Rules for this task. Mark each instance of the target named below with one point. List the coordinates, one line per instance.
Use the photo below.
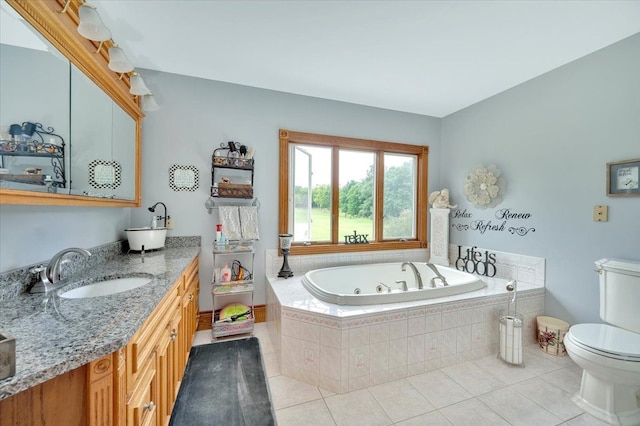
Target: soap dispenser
(154, 222)
(225, 273)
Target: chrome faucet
(438, 276)
(51, 274)
(415, 272)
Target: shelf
(234, 247)
(235, 163)
(232, 288)
(221, 329)
(30, 154)
(34, 179)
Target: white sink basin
(106, 288)
(146, 238)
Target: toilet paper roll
(510, 342)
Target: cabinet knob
(150, 406)
(173, 335)
(191, 297)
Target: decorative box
(7, 355)
(233, 190)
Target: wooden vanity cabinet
(158, 353)
(136, 385)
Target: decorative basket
(234, 190)
(551, 333)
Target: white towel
(249, 222)
(230, 220)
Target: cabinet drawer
(190, 275)
(144, 341)
(141, 409)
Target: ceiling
(425, 57)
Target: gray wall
(31, 234)
(197, 115)
(552, 137)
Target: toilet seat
(606, 340)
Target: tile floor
(482, 392)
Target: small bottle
(154, 222)
(218, 232)
(225, 273)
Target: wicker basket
(233, 190)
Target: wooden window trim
(289, 136)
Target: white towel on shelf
(230, 220)
(249, 222)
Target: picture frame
(184, 178)
(623, 178)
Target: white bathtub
(368, 284)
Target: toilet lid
(611, 341)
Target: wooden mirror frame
(61, 31)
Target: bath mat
(224, 384)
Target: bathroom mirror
(90, 130)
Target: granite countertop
(60, 335)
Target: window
(345, 194)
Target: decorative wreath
(484, 187)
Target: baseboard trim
(204, 320)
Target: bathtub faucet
(438, 276)
(415, 272)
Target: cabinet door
(101, 391)
(166, 368)
(142, 407)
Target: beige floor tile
(433, 418)
(326, 393)
(271, 364)
(559, 361)
(400, 400)
(286, 392)
(260, 331)
(549, 396)
(585, 420)
(314, 413)
(357, 408)
(473, 378)
(439, 389)
(202, 337)
(472, 412)
(567, 379)
(507, 373)
(517, 409)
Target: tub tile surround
(346, 348)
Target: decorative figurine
(440, 200)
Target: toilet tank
(620, 292)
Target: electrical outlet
(169, 222)
(600, 213)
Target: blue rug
(224, 384)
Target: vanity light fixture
(149, 103)
(66, 6)
(138, 87)
(91, 26)
(118, 61)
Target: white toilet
(610, 353)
